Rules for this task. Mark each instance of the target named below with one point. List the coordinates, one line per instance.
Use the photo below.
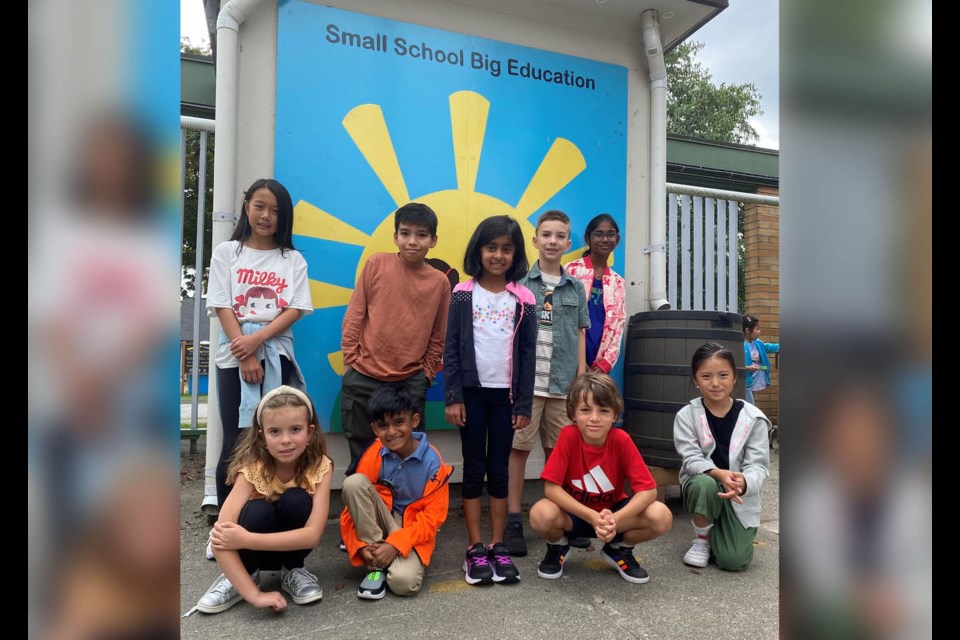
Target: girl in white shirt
(258, 287)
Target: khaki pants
(374, 523)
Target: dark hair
(391, 401)
(487, 230)
(453, 276)
(750, 322)
(712, 350)
(283, 236)
(598, 385)
(593, 224)
(416, 213)
(553, 214)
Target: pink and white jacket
(614, 306)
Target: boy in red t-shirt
(584, 480)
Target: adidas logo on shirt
(594, 487)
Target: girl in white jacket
(725, 451)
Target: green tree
(700, 109)
(191, 186)
(187, 46)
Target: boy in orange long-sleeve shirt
(395, 324)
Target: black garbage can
(656, 376)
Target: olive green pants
(730, 542)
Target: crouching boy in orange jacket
(396, 500)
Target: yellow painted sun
(459, 210)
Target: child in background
(725, 459)
(605, 291)
(755, 355)
(277, 509)
(396, 501)
(562, 318)
(489, 364)
(258, 287)
(584, 485)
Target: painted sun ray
(336, 361)
(572, 255)
(468, 119)
(327, 295)
(314, 222)
(563, 163)
(369, 132)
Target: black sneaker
(476, 566)
(504, 570)
(621, 559)
(551, 567)
(342, 545)
(580, 542)
(513, 539)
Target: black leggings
(228, 398)
(290, 512)
(486, 441)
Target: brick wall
(761, 262)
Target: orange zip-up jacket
(421, 519)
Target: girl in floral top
(606, 293)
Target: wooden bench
(193, 435)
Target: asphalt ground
(591, 601)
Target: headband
(282, 390)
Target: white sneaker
(699, 553)
(209, 552)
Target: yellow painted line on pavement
(449, 586)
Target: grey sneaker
(301, 585)
(373, 586)
(222, 595)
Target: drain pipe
(232, 15)
(657, 249)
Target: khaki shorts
(549, 416)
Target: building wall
(592, 40)
(761, 263)
(575, 35)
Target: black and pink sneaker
(504, 571)
(476, 567)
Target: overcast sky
(741, 45)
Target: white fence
(705, 246)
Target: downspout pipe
(657, 249)
(232, 15)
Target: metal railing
(205, 127)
